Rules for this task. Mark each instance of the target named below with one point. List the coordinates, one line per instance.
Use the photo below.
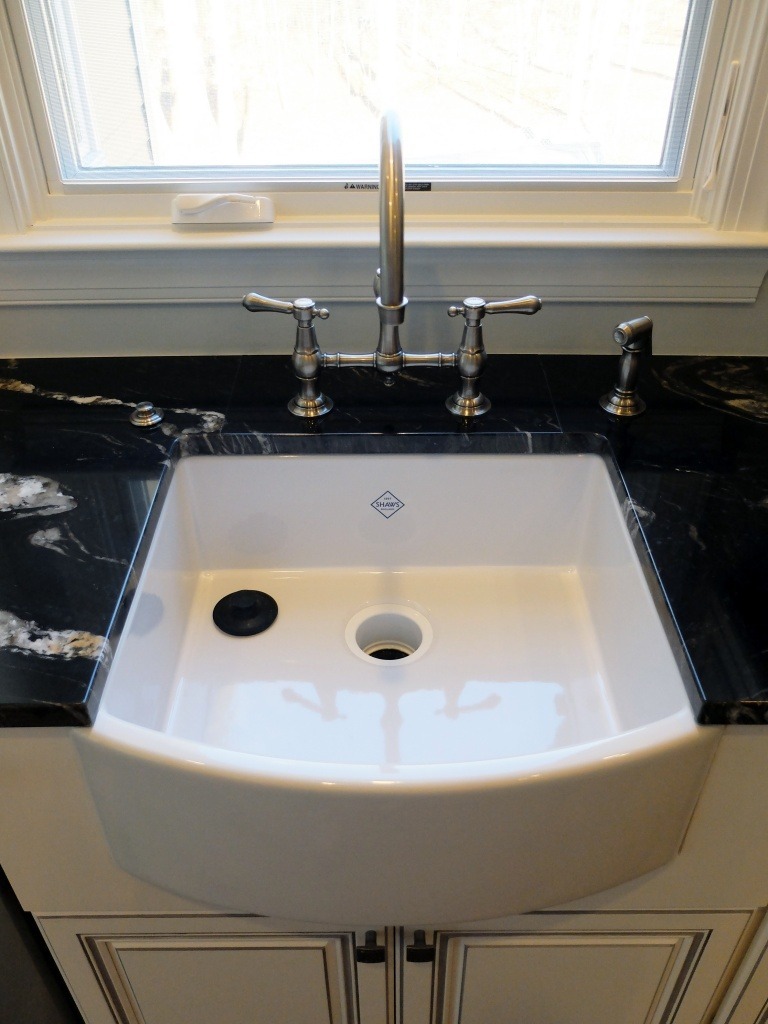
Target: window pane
(293, 88)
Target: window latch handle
(222, 209)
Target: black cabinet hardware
(419, 952)
(371, 952)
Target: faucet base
(467, 405)
(310, 408)
(622, 403)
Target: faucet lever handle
(474, 308)
(304, 310)
(527, 304)
(261, 304)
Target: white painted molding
(736, 196)
(22, 181)
(579, 274)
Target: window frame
(725, 212)
(700, 32)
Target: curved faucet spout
(391, 203)
(389, 359)
(389, 279)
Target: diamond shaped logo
(387, 504)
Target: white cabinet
(538, 969)
(747, 999)
(200, 970)
(595, 968)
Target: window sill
(621, 260)
(470, 231)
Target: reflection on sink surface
(529, 742)
(485, 680)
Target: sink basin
(471, 703)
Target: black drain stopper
(245, 612)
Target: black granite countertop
(77, 483)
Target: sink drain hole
(388, 634)
(388, 653)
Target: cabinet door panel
(602, 968)
(196, 979)
(564, 979)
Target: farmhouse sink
(471, 701)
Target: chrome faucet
(388, 282)
(388, 357)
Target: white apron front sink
(530, 743)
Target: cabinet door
(279, 979)
(746, 1001)
(601, 969)
(176, 971)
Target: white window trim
(704, 243)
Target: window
(286, 91)
(637, 128)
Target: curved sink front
(529, 742)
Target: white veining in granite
(209, 421)
(733, 385)
(642, 516)
(50, 539)
(23, 496)
(27, 637)
(64, 542)
(9, 384)
(693, 533)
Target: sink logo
(387, 504)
